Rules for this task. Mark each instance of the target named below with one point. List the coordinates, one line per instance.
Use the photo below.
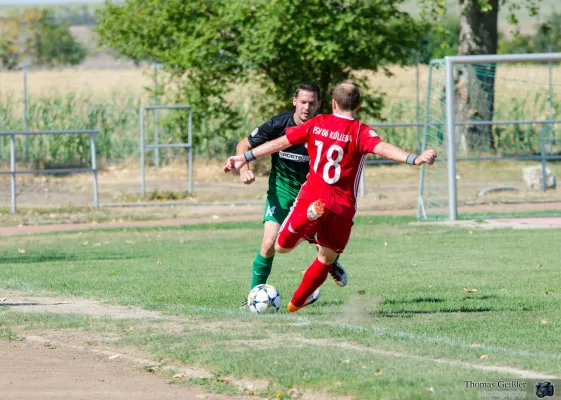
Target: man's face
(306, 104)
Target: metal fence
(156, 146)
(13, 171)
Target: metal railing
(543, 157)
(144, 146)
(13, 171)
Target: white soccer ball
(264, 299)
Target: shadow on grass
(410, 313)
(417, 300)
(28, 304)
(486, 297)
(51, 256)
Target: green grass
(419, 272)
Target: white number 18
(331, 162)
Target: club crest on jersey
(254, 132)
(372, 133)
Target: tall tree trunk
(475, 87)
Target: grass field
(404, 328)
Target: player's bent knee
(280, 249)
(268, 248)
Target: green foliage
(547, 38)
(55, 45)
(116, 118)
(208, 46)
(314, 40)
(438, 43)
(195, 43)
(46, 41)
(433, 10)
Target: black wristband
(249, 156)
(411, 159)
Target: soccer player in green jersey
(288, 172)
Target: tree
(287, 42)
(209, 47)
(34, 34)
(197, 43)
(476, 84)
(438, 43)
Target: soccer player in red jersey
(337, 145)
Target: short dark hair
(347, 96)
(309, 87)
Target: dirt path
(77, 364)
(31, 370)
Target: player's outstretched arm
(394, 153)
(236, 162)
(246, 174)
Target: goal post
(462, 94)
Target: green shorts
(277, 208)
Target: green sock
(261, 270)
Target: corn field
(110, 101)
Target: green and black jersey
(290, 166)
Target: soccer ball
(264, 299)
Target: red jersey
(337, 146)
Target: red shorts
(332, 230)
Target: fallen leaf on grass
(363, 367)
(385, 243)
(275, 362)
(21, 251)
(484, 357)
(361, 291)
(159, 262)
(547, 292)
(225, 381)
(430, 389)
(177, 376)
(378, 371)
(338, 384)
(129, 329)
(539, 265)
(3, 299)
(114, 357)
(475, 345)
(345, 361)
(470, 290)
(544, 321)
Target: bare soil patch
(72, 363)
(33, 370)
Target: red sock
(314, 277)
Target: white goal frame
(449, 108)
